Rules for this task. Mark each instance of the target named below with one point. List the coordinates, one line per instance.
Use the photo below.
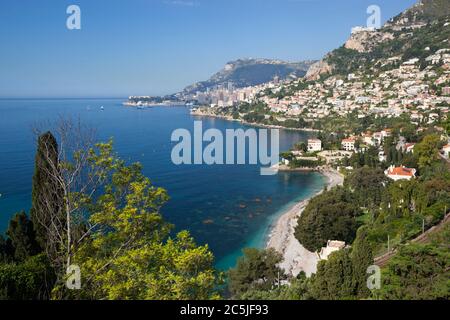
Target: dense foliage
(419, 271)
(329, 216)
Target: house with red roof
(400, 173)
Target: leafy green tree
(367, 185)
(127, 252)
(334, 278)
(257, 270)
(22, 236)
(427, 150)
(301, 146)
(329, 216)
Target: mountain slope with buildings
(412, 33)
(250, 72)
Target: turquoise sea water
(229, 207)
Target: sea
(228, 207)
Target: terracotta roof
(401, 171)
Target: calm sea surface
(229, 207)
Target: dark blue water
(229, 206)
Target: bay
(229, 207)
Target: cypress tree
(362, 258)
(47, 196)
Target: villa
(400, 173)
(332, 246)
(348, 144)
(314, 145)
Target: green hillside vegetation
(365, 212)
(419, 271)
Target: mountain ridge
(250, 72)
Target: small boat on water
(102, 108)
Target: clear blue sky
(128, 47)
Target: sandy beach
(296, 257)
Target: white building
(332, 246)
(446, 150)
(314, 145)
(348, 144)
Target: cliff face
(366, 41)
(317, 69)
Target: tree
(28, 280)
(22, 237)
(127, 251)
(256, 270)
(362, 258)
(297, 289)
(66, 177)
(301, 146)
(329, 216)
(427, 151)
(6, 250)
(367, 185)
(47, 198)
(334, 278)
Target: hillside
(250, 72)
(411, 34)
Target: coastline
(281, 237)
(297, 258)
(258, 125)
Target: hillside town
(390, 88)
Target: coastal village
(416, 89)
(378, 105)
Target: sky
(155, 47)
